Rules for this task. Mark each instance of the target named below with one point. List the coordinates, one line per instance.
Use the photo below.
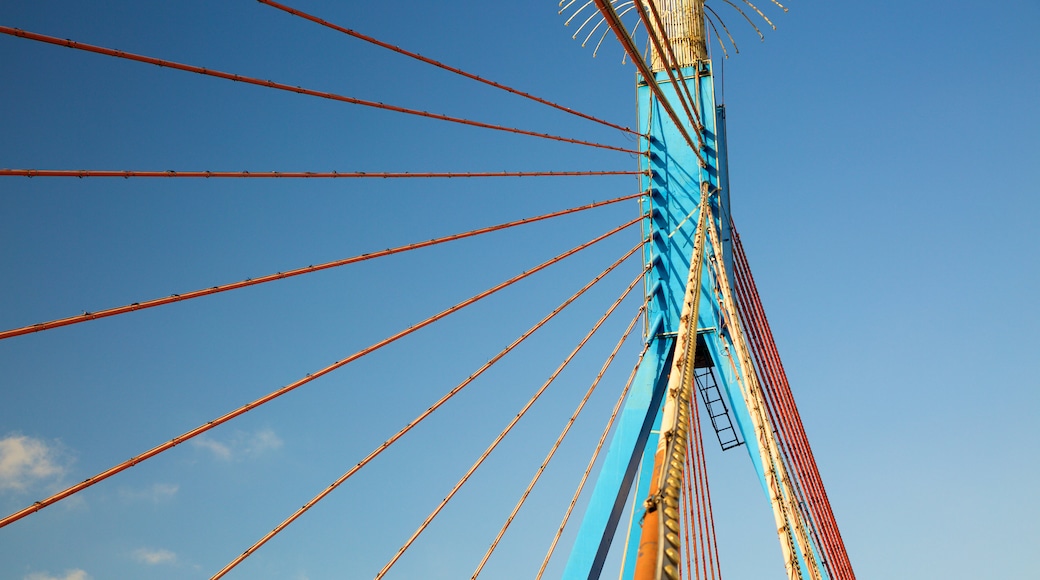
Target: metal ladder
(718, 411)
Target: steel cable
(440, 402)
(284, 87)
(558, 442)
(666, 55)
(791, 450)
(126, 174)
(86, 316)
(698, 125)
(498, 439)
(592, 462)
(822, 508)
(648, 76)
(37, 506)
(440, 65)
(788, 517)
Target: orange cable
(439, 64)
(284, 87)
(282, 275)
(37, 506)
(614, 22)
(592, 462)
(440, 402)
(126, 174)
(508, 428)
(691, 567)
(694, 119)
(559, 440)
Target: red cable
(793, 453)
(711, 522)
(779, 412)
(614, 22)
(700, 471)
(694, 120)
(682, 78)
(563, 434)
(282, 275)
(690, 520)
(297, 174)
(825, 512)
(440, 402)
(711, 545)
(284, 87)
(37, 506)
(439, 64)
(592, 461)
(480, 460)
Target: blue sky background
(883, 162)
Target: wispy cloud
(154, 557)
(25, 460)
(241, 444)
(156, 493)
(262, 441)
(218, 449)
(76, 574)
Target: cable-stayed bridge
(692, 364)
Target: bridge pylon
(693, 327)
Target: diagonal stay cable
(614, 21)
(440, 402)
(592, 462)
(292, 89)
(670, 61)
(126, 174)
(523, 411)
(439, 64)
(688, 519)
(86, 316)
(557, 443)
(674, 60)
(37, 506)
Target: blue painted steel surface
(726, 231)
(631, 436)
(642, 490)
(674, 184)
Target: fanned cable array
(137, 459)
(180, 297)
(787, 422)
(677, 534)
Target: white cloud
(263, 440)
(219, 449)
(156, 493)
(76, 574)
(241, 443)
(154, 557)
(24, 460)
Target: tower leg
(613, 486)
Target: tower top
(683, 22)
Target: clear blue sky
(884, 161)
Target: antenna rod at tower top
(683, 22)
